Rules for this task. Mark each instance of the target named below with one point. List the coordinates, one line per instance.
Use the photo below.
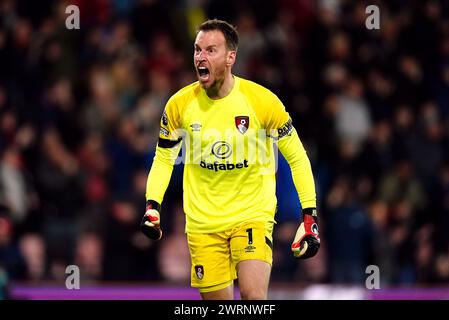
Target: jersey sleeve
(276, 119)
(293, 151)
(280, 127)
(167, 151)
(170, 123)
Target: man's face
(211, 58)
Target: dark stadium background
(79, 119)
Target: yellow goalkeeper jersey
(229, 155)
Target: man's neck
(222, 89)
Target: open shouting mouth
(203, 73)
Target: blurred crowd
(79, 121)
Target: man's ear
(231, 58)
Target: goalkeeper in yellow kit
(229, 126)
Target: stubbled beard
(215, 87)
(213, 90)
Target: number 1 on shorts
(250, 235)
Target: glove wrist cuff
(309, 213)
(151, 204)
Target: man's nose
(200, 55)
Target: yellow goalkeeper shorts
(215, 255)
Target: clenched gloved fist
(151, 223)
(307, 242)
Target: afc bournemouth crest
(199, 270)
(242, 123)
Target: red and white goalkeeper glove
(307, 241)
(151, 222)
